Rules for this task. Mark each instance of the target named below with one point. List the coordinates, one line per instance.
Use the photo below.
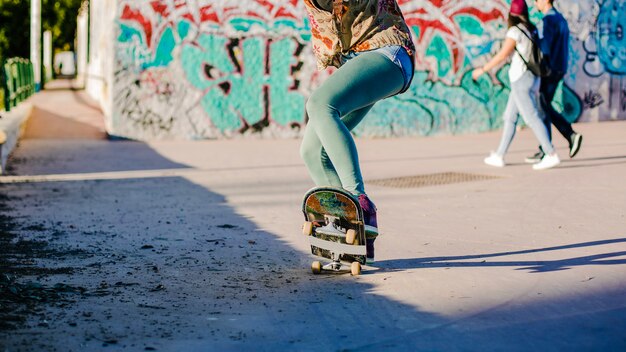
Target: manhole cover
(442, 178)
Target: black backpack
(538, 62)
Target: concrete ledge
(12, 126)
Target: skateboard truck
(331, 227)
(335, 265)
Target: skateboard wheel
(316, 267)
(307, 228)
(350, 236)
(355, 268)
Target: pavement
(12, 125)
(196, 246)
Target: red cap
(518, 7)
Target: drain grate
(437, 179)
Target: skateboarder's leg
(350, 92)
(318, 163)
(316, 159)
(358, 84)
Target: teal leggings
(337, 107)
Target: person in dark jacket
(554, 43)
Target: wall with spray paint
(217, 68)
(598, 57)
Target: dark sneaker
(369, 215)
(369, 247)
(371, 225)
(535, 158)
(575, 141)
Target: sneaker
(494, 160)
(548, 161)
(371, 225)
(369, 214)
(369, 248)
(576, 139)
(535, 158)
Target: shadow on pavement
(47, 124)
(169, 264)
(531, 266)
(584, 162)
(164, 263)
(45, 157)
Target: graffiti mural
(450, 37)
(611, 37)
(450, 34)
(201, 70)
(216, 68)
(598, 56)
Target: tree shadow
(78, 156)
(171, 263)
(167, 263)
(481, 260)
(585, 162)
(45, 124)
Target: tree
(58, 16)
(14, 28)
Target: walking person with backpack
(554, 44)
(524, 95)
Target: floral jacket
(356, 25)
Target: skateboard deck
(335, 229)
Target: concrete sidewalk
(196, 246)
(63, 111)
(60, 112)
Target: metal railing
(18, 81)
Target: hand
(477, 73)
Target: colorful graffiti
(215, 68)
(598, 56)
(450, 37)
(229, 69)
(605, 44)
(450, 34)
(611, 37)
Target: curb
(12, 126)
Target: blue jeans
(523, 99)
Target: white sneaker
(494, 160)
(547, 162)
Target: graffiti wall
(197, 69)
(598, 57)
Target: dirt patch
(22, 293)
(83, 267)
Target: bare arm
(507, 49)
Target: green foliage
(58, 16)
(14, 28)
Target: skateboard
(335, 229)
